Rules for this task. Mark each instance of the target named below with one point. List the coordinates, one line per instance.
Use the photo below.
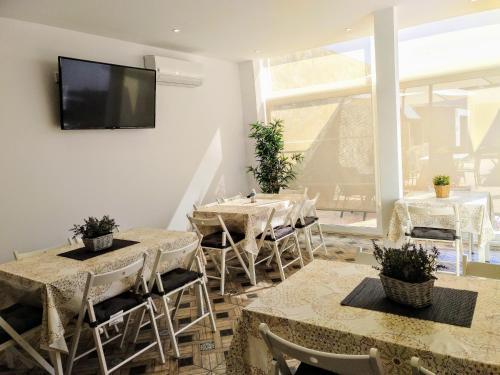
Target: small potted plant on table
(407, 273)
(96, 234)
(442, 186)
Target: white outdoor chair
(479, 269)
(27, 254)
(416, 369)
(430, 234)
(294, 191)
(365, 257)
(308, 218)
(316, 362)
(173, 274)
(218, 244)
(17, 322)
(110, 312)
(277, 237)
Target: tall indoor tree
(274, 169)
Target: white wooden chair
(110, 312)
(365, 257)
(313, 361)
(27, 254)
(294, 191)
(218, 244)
(416, 369)
(173, 274)
(17, 322)
(276, 236)
(480, 269)
(430, 234)
(308, 218)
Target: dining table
(55, 279)
(475, 210)
(307, 310)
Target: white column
(387, 115)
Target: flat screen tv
(96, 95)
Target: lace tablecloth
(306, 310)
(243, 216)
(472, 218)
(58, 282)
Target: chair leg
(209, 307)
(278, 260)
(308, 243)
(154, 326)
(100, 351)
(170, 327)
(299, 251)
(74, 346)
(458, 256)
(127, 322)
(138, 327)
(223, 271)
(177, 303)
(321, 237)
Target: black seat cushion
(105, 309)
(215, 240)
(175, 279)
(279, 232)
(305, 369)
(308, 220)
(434, 233)
(21, 318)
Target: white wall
(51, 179)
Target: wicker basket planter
(98, 243)
(417, 295)
(442, 191)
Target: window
(450, 103)
(324, 97)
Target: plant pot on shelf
(442, 191)
(416, 295)
(98, 243)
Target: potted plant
(407, 273)
(442, 186)
(96, 234)
(275, 170)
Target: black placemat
(450, 306)
(83, 254)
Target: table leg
(251, 269)
(55, 357)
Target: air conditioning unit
(175, 72)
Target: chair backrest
(284, 216)
(364, 257)
(338, 363)
(308, 208)
(27, 254)
(93, 281)
(294, 191)
(167, 260)
(433, 211)
(479, 269)
(214, 221)
(416, 369)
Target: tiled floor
(202, 351)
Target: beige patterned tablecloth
(306, 309)
(471, 218)
(243, 216)
(58, 282)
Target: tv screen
(96, 95)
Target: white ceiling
(231, 29)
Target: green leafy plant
(409, 263)
(275, 170)
(441, 180)
(93, 227)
